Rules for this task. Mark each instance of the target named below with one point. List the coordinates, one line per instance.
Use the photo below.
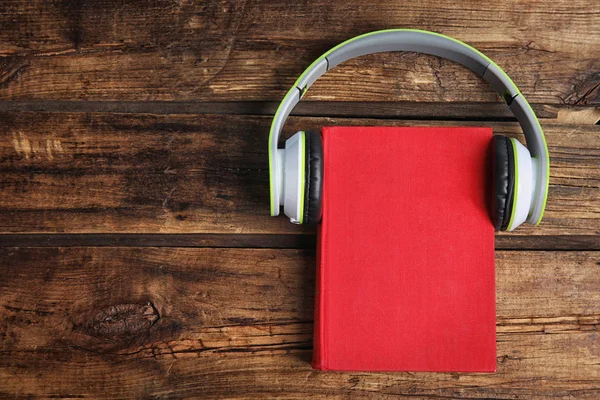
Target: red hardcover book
(405, 276)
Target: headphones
(521, 174)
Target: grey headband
(427, 43)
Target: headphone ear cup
(503, 181)
(314, 178)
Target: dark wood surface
(238, 323)
(137, 259)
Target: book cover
(405, 275)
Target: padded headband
(427, 43)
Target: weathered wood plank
(231, 50)
(139, 322)
(131, 173)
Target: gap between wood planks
(426, 110)
(447, 111)
(274, 241)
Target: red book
(405, 276)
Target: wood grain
(132, 173)
(214, 323)
(254, 50)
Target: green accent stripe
(516, 183)
(303, 172)
(547, 172)
(546, 188)
(272, 156)
(271, 178)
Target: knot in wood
(123, 320)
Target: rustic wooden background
(137, 258)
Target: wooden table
(137, 257)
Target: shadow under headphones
(521, 174)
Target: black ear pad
(314, 178)
(504, 181)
